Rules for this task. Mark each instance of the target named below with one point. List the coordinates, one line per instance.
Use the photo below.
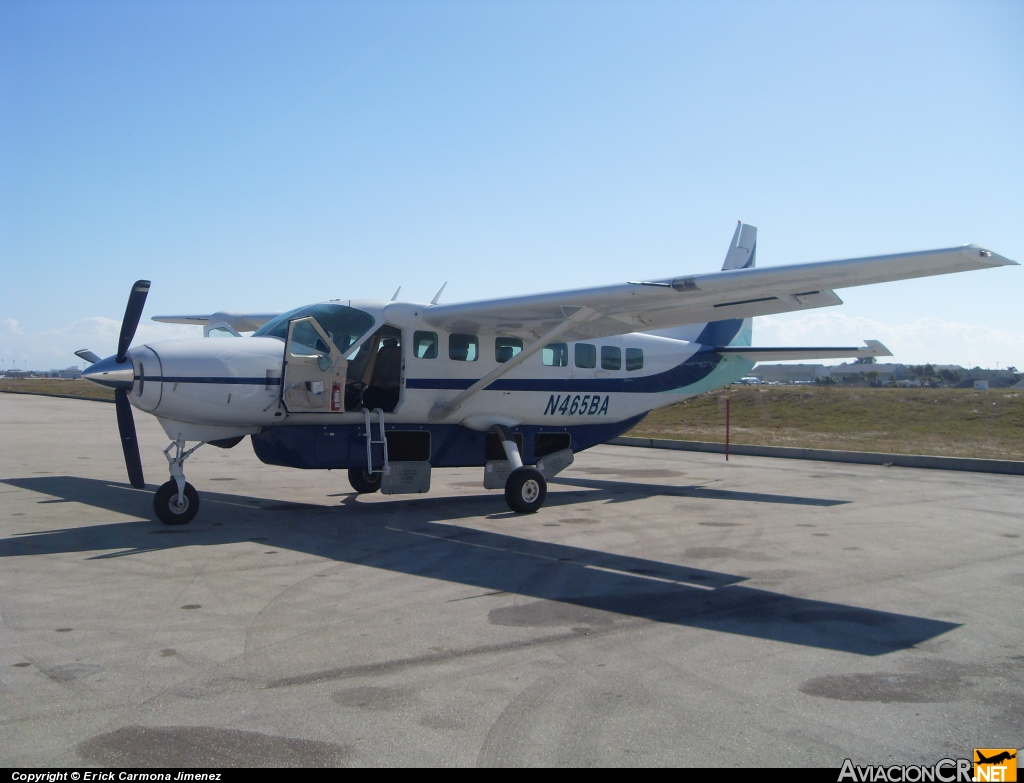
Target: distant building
(886, 372)
(978, 374)
(67, 372)
(996, 379)
(789, 373)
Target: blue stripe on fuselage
(209, 379)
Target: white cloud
(924, 340)
(56, 347)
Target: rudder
(742, 254)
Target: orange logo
(995, 765)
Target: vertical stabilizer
(742, 254)
(742, 249)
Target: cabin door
(314, 370)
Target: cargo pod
(408, 468)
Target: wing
(242, 322)
(715, 296)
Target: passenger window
(463, 347)
(634, 359)
(611, 357)
(586, 356)
(506, 347)
(555, 355)
(424, 345)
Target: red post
(728, 391)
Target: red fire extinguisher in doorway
(336, 397)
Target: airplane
(515, 385)
(996, 759)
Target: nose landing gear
(177, 502)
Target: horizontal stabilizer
(87, 355)
(870, 348)
(242, 322)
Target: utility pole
(728, 394)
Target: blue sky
(258, 156)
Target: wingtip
(990, 257)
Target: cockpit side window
(344, 325)
(306, 341)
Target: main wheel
(363, 481)
(169, 510)
(525, 490)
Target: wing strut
(574, 315)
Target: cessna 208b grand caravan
(516, 386)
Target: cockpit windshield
(344, 325)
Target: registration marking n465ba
(577, 405)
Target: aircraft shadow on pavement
(418, 537)
(622, 490)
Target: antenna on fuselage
(395, 297)
(438, 294)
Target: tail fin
(742, 254)
(742, 249)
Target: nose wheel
(174, 508)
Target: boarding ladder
(370, 442)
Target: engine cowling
(210, 381)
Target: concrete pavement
(663, 608)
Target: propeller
(107, 372)
(125, 417)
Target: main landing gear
(526, 488)
(177, 502)
(363, 481)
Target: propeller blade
(129, 441)
(132, 314)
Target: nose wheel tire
(363, 481)
(172, 512)
(525, 490)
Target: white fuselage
(208, 388)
